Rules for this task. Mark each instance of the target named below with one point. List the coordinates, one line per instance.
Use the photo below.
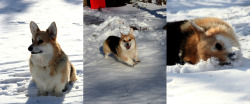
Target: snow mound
(211, 64)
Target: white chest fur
(130, 53)
(43, 79)
(41, 60)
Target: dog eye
(129, 40)
(218, 46)
(40, 41)
(124, 41)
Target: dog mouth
(225, 63)
(37, 52)
(127, 47)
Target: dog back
(174, 40)
(113, 43)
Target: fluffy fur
(200, 39)
(123, 48)
(49, 65)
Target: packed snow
(108, 81)
(206, 82)
(16, 84)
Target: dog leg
(127, 60)
(58, 89)
(42, 93)
(106, 49)
(107, 55)
(73, 76)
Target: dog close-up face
(218, 42)
(127, 42)
(42, 40)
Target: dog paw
(138, 61)
(106, 57)
(58, 94)
(133, 64)
(42, 93)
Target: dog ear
(121, 34)
(131, 32)
(201, 34)
(34, 28)
(52, 30)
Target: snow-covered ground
(107, 81)
(205, 83)
(16, 85)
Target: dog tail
(73, 76)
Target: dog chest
(43, 79)
(41, 60)
(130, 53)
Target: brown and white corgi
(200, 39)
(49, 65)
(123, 48)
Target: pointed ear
(196, 27)
(52, 30)
(131, 32)
(198, 30)
(34, 28)
(121, 34)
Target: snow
(108, 81)
(16, 85)
(206, 82)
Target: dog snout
(127, 44)
(30, 47)
(231, 56)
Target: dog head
(217, 41)
(42, 41)
(127, 42)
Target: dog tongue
(127, 47)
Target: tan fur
(201, 42)
(127, 56)
(73, 76)
(58, 65)
(106, 48)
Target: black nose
(30, 48)
(231, 56)
(127, 44)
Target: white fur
(41, 72)
(132, 45)
(43, 58)
(45, 82)
(231, 46)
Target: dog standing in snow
(200, 39)
(49, 65)
(123, 48)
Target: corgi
(123, 48)
(49, 65)
(189, 41)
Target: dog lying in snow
(190, 41)
(123, 48)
